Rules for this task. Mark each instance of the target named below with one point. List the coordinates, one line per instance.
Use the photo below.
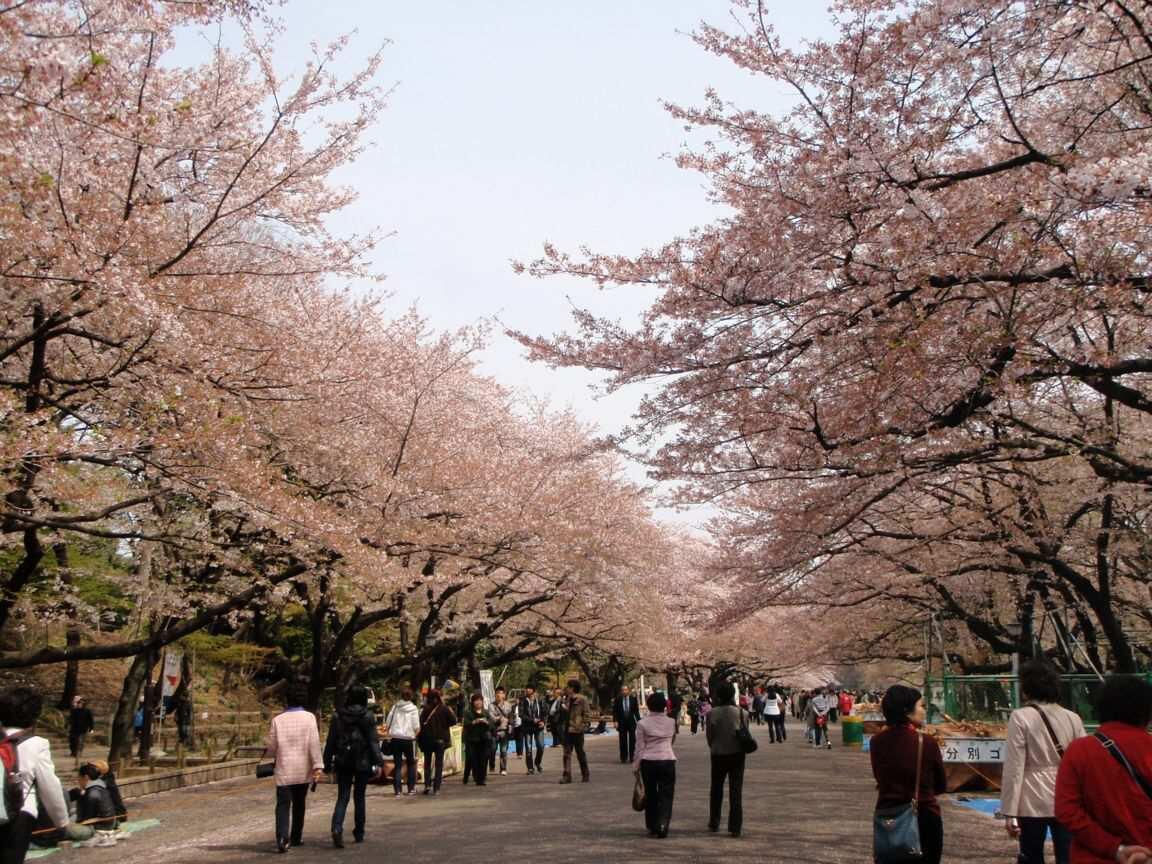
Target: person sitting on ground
(40, 789)
(1104, 785)
(94, 805)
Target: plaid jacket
(294, 744)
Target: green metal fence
(991, 698)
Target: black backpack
(352, 749)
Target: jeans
(354, 786)
(434, 757)
(781, 729)
(499, 746)
(627, 736)
(730, 767)
(476, 761)
(1033, 832)
(819, 735)
(291, 798)
(574, 742)
(659, 789)
(403, 749)
(534, 749)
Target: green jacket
(578, 714)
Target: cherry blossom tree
(932, 279)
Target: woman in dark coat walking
(436, 722)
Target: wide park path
(800, 806)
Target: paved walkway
(800, 806)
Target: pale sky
(516, 122)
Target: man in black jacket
(353, 752)
(626, 713)
(533, 719)
(558, 718)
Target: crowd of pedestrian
(1091, 794)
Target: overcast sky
(516, 122)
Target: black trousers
(1033, 832)
(931, 836)
(659, 777)
(695, 720)
(730, 767)
(434, 765)
(403, 750)
(476, 761)
(291, 799)
(574, 743)
(627, 736)
(15, 837)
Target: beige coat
(1031, 760)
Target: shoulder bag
(1051, 732)
(744, 735)
(896, 830)
(1119, 756)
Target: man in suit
(626, 713)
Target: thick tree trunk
(152, 689)
(120, 743)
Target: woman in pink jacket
(656, 764)
(294, 745)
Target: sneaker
(85, 844)
(503, 773)
(104, 838)
(435, 792)
(398, 795)
(427, 790)
(411, 792)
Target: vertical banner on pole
(173, 669)
(486, 687)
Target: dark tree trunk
(152, 688)
(120, 743)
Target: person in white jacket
(403, 726)
(19, 711)
(1038, 735)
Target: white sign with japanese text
(973, 749)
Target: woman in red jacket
(1104, 785)
(894, 758)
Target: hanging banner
(173, 661)
(486, 686)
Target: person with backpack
(436, 722)
(352, 752)
(403, 725)
(28, 782)
(1038, 735)
(1104, 784)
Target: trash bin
(852, 730)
